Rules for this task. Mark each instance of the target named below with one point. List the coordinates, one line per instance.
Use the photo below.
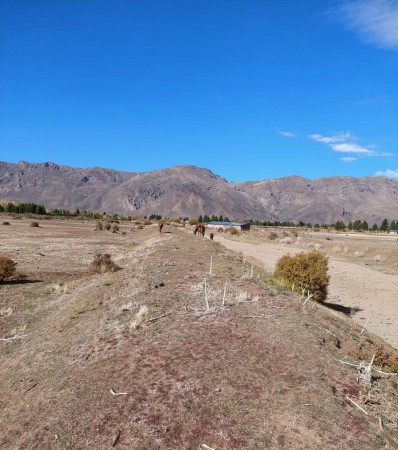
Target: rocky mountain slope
(191, 191)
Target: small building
(238, 226)
(393, 231)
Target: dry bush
(220, 229)
(379, 258)
(6, 223)
(233, 231)
(286, 240)
(272, 236)
(99, 226)
(103, 263)
(141, 317)
(34, 224)
(305, 270)
(115, 228)
(7, 267)
(107, 226)
(294, 233)
(359, 253)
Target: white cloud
(347, 147)
(340, 137)
(345, 143)
(388, 173)
(348, 158)
(287, 134)
(376, 21)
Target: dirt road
(372, 293)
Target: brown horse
(160, 226)
(200, 229)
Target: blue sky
(250, 89)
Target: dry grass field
(188, 346)
(363, 269)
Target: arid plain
(363, 270)
(189, 345)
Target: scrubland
(186, 345)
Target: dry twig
(113, 392)
(356, 404)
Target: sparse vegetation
(99, 226)
(103, 263)
(7, 267)
(272, 236)
(6, 223)
(304, 272)
(34, 224)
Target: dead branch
(328, 331)
(31, 387)
(262, 317)
(363, 329)
(116, 438)
(356, 404)
(113, 392)
(206, 447)
(154, 319)
(384, 373)
(19, 336)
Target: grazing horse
(160, 226)
(200, 229)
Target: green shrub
(306, 270)
(7, 267)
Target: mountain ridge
(190, 190)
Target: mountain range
(193, 191)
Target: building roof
(231, 224)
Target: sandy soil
(372, 295)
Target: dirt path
(375, 294)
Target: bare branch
(356, 404)
(154, 319)
(262, 317)
(363, 329)
(116, 438)
(113, 392)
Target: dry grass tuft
(103, 263)
(7, 267)
(141, 317)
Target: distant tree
(206, 219)
(1, 208)
(364, 225)
(226, 219)
(375, 227)
(350, 225)
(221, 219)
(339, 225)
(200, 219)
(384, 225)
(357, 225)
(393, 225)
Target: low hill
(163, 355)
(193, 191)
